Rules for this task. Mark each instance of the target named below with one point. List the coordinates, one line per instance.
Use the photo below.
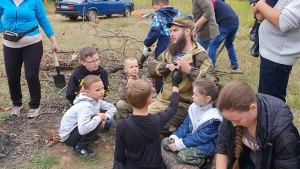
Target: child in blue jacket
(196, 139)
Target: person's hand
(173, 147)
(54, 44)
(177, 79)
(153, 100)
(194, 32)
(186, 68)
(259, 16)
(81, 89)
(54, 47)
(103, 118)
(129, 80)
(146, 51)
(172, 67)
(172, 140)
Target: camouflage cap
(181, 21)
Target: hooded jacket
(84, 115)
(199, 129)
(277, 137)
(160, 31)
(20, 19)
(130, 151)
(77, 79)
(201, 65)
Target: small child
(132, 73)
(138, 137)
(196, 139)
(89, 66)
(81, 124)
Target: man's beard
(175, 48)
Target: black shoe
(255, 49)
(254, 31)
(104, 130)
(84, 153)
(208, 162)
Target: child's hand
(130, 79)
(173, 147)
(103, 118)
(153, 100)
(81, 89)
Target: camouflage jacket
(201, 67)
(123, 84)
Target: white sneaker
(16, 110)
(32, 113)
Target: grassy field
(118, 37)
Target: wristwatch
(167, 66)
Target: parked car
(90, 9)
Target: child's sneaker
(32, 113)
(84, 153)
(16, 110)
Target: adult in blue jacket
(24, 17)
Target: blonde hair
(138, 92)
(129, 59)
(89, 80)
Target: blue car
(90, 9)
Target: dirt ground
(22, 140)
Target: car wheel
(91, 15)
(73, 18)
(109, 16)
(127, 12)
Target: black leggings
(31, 55)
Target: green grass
(42, 162)
(4, 116)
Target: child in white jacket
(81, 124)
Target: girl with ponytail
(195, 140)
(257, 131)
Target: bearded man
(185, 53)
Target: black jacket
(77, 77)
(277, 137)
(130, 151)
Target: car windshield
(78, 1)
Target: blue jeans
(227, 34)
(109, 123)
(205, 44)
(273, 78)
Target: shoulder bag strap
(136, 131)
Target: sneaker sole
(83, 156)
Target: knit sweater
(282, 45)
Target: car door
(102, 6)
(116, 6)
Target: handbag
(15, 37)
